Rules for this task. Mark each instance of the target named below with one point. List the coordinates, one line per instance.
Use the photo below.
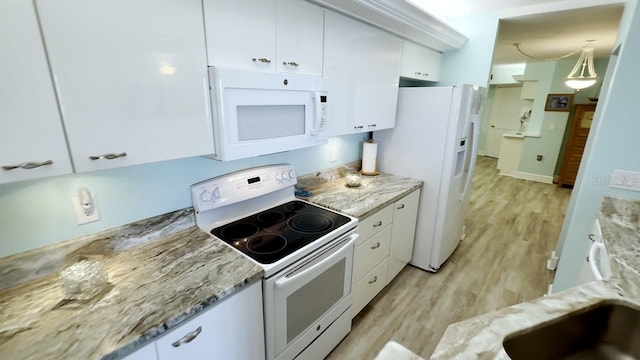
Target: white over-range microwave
(258, 113)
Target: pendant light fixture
(585, 62)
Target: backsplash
(29, 265)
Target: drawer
(372, 224)
(370, 253)
(370, 285)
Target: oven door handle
(282, 282)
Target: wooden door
(575, 146)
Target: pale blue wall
(472, 63)
(612, 144)
(40, 212)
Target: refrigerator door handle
(472, 159)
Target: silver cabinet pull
(108, 156)
(592, 237)
(27, 165)
(377, 245)
(372, 125)
(378, 224)
(358, 127)
(375, 278)
(290, 63)
(425, 74)
(400, 207)
(263, 60)
(188, 338)
(418, 73)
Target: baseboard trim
(534, 177)
(481, 153)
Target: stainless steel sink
(604, 331)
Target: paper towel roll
(369, 154)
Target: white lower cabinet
(232, 329)
(405, 216)
(384, 248)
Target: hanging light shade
(585, 62)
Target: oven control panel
(242, 185)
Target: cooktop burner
(270, 235)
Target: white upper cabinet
(131, 78)
(30, 125)
(299, 34)
(241, 33)
(265, 35)
(419, 62)
(362, 67)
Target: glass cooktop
(270, 235)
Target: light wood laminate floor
(512, 228)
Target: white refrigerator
(435, 140)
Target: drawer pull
(27, 165)
(377, 245)
(358, 127)
(188, 338)
(400, 207)
(592, 237)
(378, 224)
(262, 60)
(108, 156)
(375, 278)
(290, 63)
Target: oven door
(305, 299)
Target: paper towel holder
(375, 165)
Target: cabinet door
(299, 34)
(30, 124)
(232, 329)
(362, 65)
(131, 78)
(147, 352)
(405, 214)
(240, 31)
(419, 62)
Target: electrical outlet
(85, 214)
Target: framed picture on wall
(559, 102)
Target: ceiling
(544, 28)
(559, 33)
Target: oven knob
(217, 192)
(279, 176)
(291, 174)
(285, 175)
(206, 195)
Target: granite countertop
(162, 271)
(481, 337)
(373, 194)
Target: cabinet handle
(372, 125)
(28, 165)
(425, 74)
(592, 237)
(377, 245)
(263, 60)
(375, 278)
(400, 207)
(358, 127)
(418, 73)
(290, 63)
(188, 338)
(378, 224)
(108, 156)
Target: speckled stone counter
(162, 271)
(375, 193)
(481, 337)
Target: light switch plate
(627, 180)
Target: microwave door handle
(317, 113)
(282, 282)
(595, 252)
